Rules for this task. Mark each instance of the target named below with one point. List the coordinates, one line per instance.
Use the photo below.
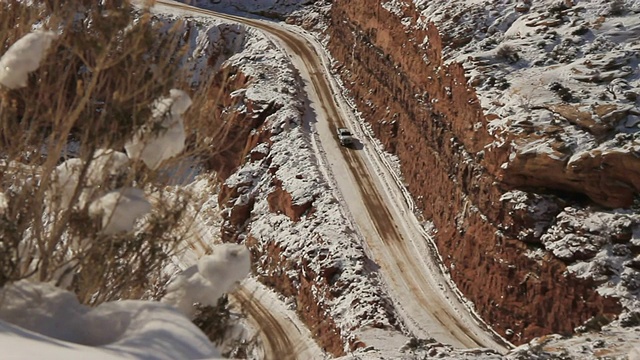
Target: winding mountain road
(422, 295)
(278, 343)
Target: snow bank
(41, 320)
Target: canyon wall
(423, 111)
(273, 199)
(243, 132)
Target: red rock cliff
(293, 258)
(424, 112)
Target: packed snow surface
(39, 320)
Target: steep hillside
(517, 130)
(273, 196)
(516, 125)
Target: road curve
(434, 308)
(275, 339)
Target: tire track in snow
(274, 337)
(394, 252)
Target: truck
(345, 137)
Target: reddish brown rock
(610, 178)
(423, 111)
(306, 292)
(237, 202)
(234, 136)
(280, 201)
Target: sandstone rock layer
(423, 111)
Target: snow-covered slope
(321, 243)
(516, 86)
(326, 239)
(42, 321)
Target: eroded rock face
(237, 197)
(236, 136)
(423, 111)
(609, 176)
(303, 291)
(280, 201)
(274, 199)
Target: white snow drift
(39, 320)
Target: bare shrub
(214, 321)
(617, 8)
(93, 90)
(508, 53)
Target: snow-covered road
(376, 201)
(282, 334)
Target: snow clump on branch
(4, 203)
(66, 176)
(120, 209)
(164, 136)
(206, 281)
(23, 57)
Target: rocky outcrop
(238, 199)
(608, 174)
(423, 111)
(609, 177)
(310, 309)
(281, 202)
(234, 136)
(273, 198)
